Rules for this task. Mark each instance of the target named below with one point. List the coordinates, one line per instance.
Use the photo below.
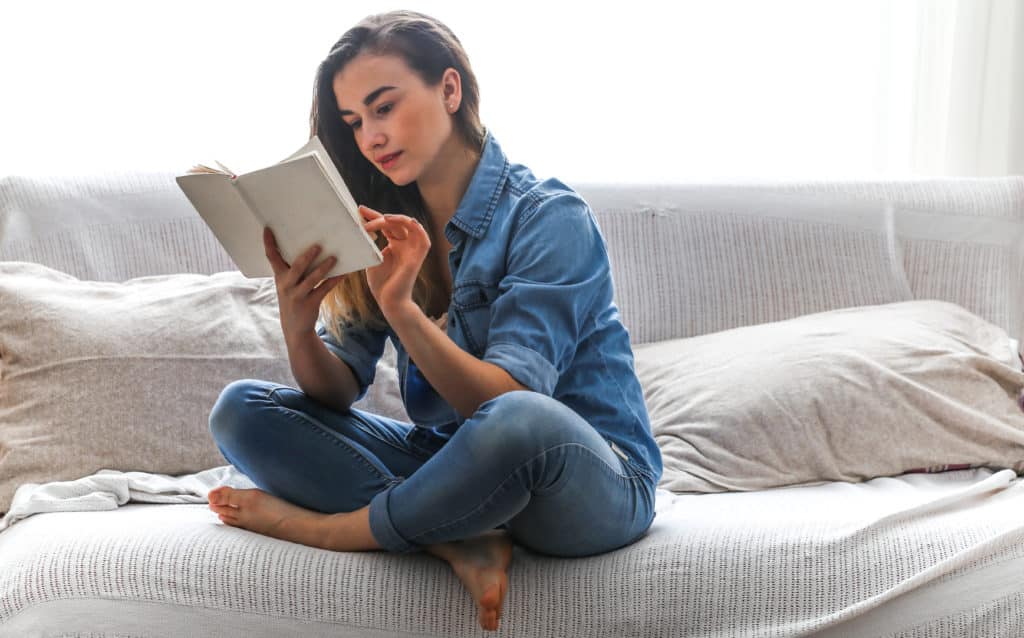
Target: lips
(387, 158)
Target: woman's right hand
(298, 297)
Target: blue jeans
(524, 462)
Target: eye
(383, 110)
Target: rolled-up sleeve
(360, 348)
(557, 267)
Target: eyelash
(382, 107)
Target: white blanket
(109, 489)
(913, 556)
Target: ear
(451, 89)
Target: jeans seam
(369, 432)
(501, 486)
(641, 469)
(334, 438)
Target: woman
(528, 422)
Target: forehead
(367, 72)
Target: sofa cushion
(100, 375)
(844, 395)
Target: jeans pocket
(631, 464)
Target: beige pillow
(122, 376)
(845, 395)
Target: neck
(442, 188)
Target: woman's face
(391, 111)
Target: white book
(303, 200)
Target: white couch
(923, 555)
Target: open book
(302, 199)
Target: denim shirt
(531, 294)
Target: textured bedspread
(916, 555)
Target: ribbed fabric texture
(742, 268)
(774, 563)
(1001, 617)
(106, 227)
(114, 227)
(745, 267)
(725, 271)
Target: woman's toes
(219, 495)
(225, 512)
(487, 619)
(489, 607)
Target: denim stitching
(359, 421)
(474, 286)
(331, 436)
(466, 332)
(502, 486)
(369, 432)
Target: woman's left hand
(408, 244)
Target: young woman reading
(528, 422)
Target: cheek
(430, 122)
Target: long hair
(428, 48)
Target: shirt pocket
(472, 301)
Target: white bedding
(915, 555)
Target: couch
(923, 553)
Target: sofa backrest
(959, 239)
(106, 227)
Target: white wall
(648, 91)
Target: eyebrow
(368, 100)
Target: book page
(310, 146)
(315, 148)
(302, 206)
(329, 169)
(222, 207)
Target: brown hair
(429, 48)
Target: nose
(372, 138)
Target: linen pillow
(844, 395)
(122, 376)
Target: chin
(400, 179)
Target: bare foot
(481, 563)
(264, 513)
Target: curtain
(965, 80)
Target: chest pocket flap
(472, 303)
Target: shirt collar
(476, 209)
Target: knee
(233, 408)
(520, 422)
